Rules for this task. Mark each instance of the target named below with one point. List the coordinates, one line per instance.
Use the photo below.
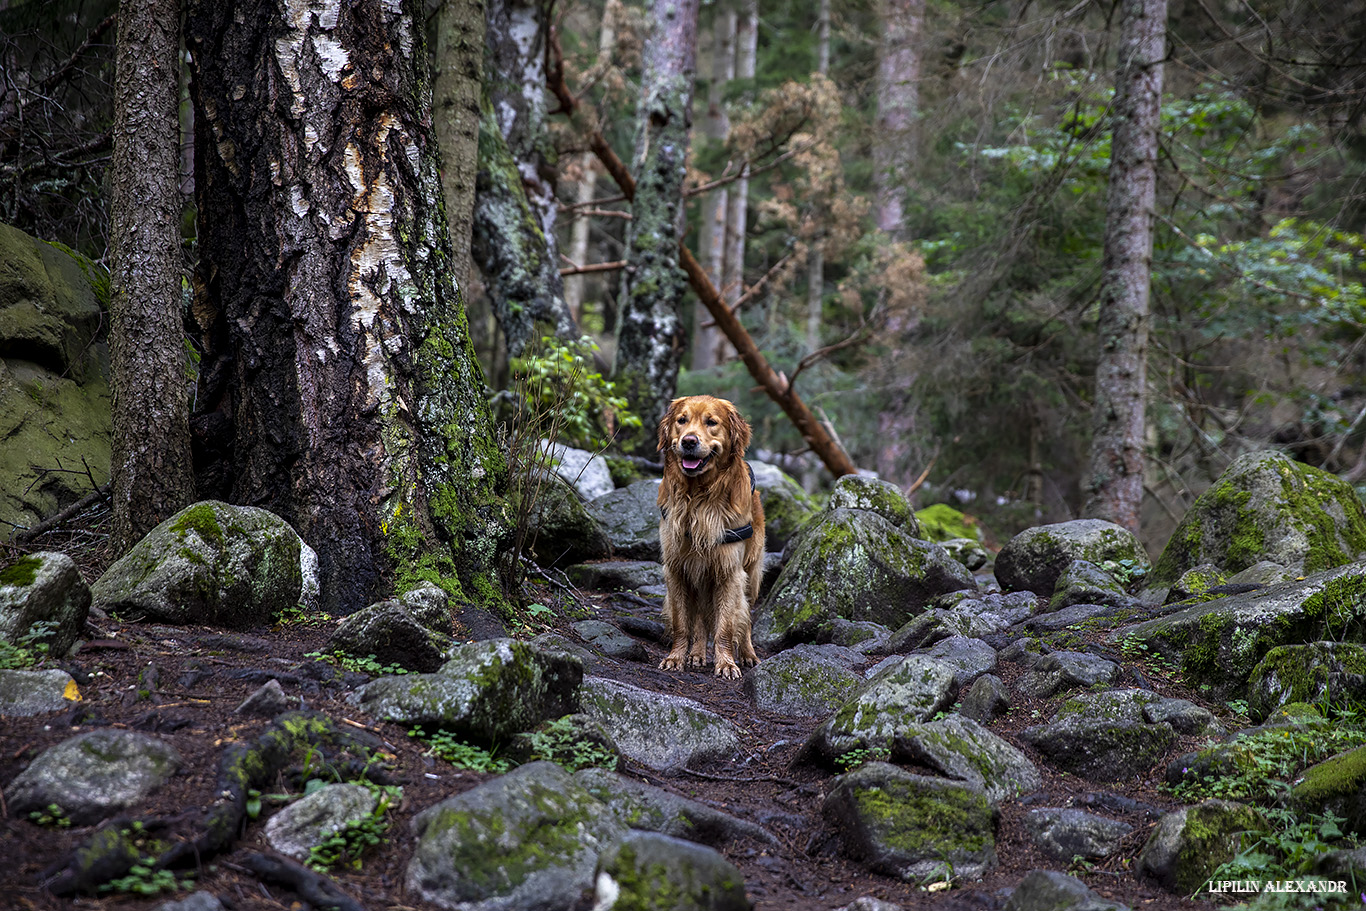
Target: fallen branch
(315, 888)
(594, 267)
(75, 509)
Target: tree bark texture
(152, 467)
(457, 81)
(898, 106)
(651, 339)
(815, 263)
(1118, 424)
(737, 203)
(711, 232)
(514, 224)
(357, 408)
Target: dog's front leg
(732, 625)
(677, 620)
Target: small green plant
(561, 741)
(462, 755)
(367, 665)
(143, 879)
(29, 649)
(346, 846)
(51, 815)
(1288, 850)
(852, 759)
(1261, 764)
(297, 616)
(560, 377)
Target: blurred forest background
(905, 202)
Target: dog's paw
(727, 671)
(671, 664)
(749, 662)
(698, 661)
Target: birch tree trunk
(712, 230)
(151, 472)
(815, 264)
(737, 206)
(514, 219)
(457, 79)
(651, 340)
(898, 104)
(338, 346)
(1115, 485)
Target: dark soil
(200, 675)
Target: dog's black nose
(688, 443)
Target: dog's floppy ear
(739, 431)
(670, 415)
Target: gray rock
(267, 702)
(970, 658)
(787, 507)
(652, 809)
(560, 530)
(195, 901)
(1077, 614)
(1196, 582)
(1083, 582)
(310, 582)
(587, 473)
(1035, 558)
(912, 827)
(390, 633)
(93, 775)
(1263, 572)
(973, 615)
(804, 680)
(47, 589)
(1315, 672)
(618, 575)
(864, 636)
(961, 749)
(37, 692)
(967, 551)
(1188, 845)
(853, 564)
(630, 518)
(986, 700)
(554, 642)
(1267, 507)
(1068, 833)
(487, 692)
(1185, 717)
(908, 692)
(527, 839)
(609, 640)
(1103, 736)
(867, 494)
(210, 563)
(655, 729)
(650, 870)
(298, 828)
(1058, 671)
(870, 903)
(1049, 890)
(429, 604)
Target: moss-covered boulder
(1196, 583)
(1238, 755)
(650, 870)
(854, 564)
(1336, 785)
(629, 516)
(913, 827)
(558, 527)
(658, 730)
(940, 522)
(1035, 558)
(527, 839)
(854, 491)
(1049, 890)
(962, 749)
(1189, 844)
(804, 680)
(1329, 673)
(210, 563)
(651, 809)
(1219, 642)
(1083, 582)
(1104, 736)
(43, 601)
(54, 368)
(1266, 506)
(486, 692)
(93, 775)
(787, 507)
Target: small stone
(267, 702)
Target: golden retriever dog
(711, 533)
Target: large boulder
(392, 635)
(650, 870)
(1035, 558)
(1267, 507)
(910, 826)
(43, 600)
(54, 389)
(93, 775)
(37, 692)
(973, 615)
(1188, 845)
(584, 471)
(1068, 833)
(804, 680)
(486, 692)
(787, 507)
(629, 516)
(854, 491)
(854, 564)
(527, 839)
(1338, 786)
(1105, 736)
(210, 563)
(1317, 672)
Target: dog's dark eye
(711, 422)
(682, 420)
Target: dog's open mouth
(693, 465)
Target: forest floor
(203, 674)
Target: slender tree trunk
(457, 78)
(1116, 478)
(898, 104)
(712, 230)
(815, 264)
(358, 411)
(515, 211)
(650, 341)
(152, 472)
(737, 205)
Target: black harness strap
(732, 535)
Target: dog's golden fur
(707, 489)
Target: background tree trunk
(152, 470)
(815, 264)
(898, 107)
(651, 341)
(457, 81)
(339, 344)
(1118, 424)
(737, 203)
(711, 233)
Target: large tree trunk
(152, 469)
(1115, 486)
(711, 233)
(339, 350)
(898, 103)
(457, 81)
(650, 342)
(514, 222)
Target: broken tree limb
(826, 448)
